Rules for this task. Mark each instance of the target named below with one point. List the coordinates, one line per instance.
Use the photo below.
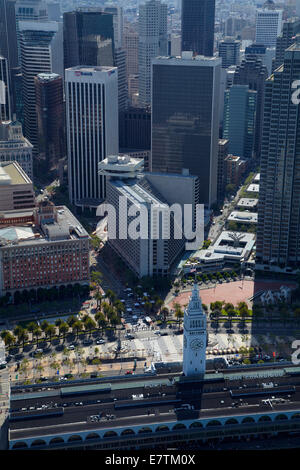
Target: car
(68, 376)
(129, 372)
(100, 341)
(164, 333)
(157, 332)
(44, 379)
(93, 376)
(71, 347)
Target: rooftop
(12, 173)
(245, 217)
(247, 202)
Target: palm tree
(89, 324)
(100, 318)
(49, 332)
(31, 327)
(179, 315)
(63, 329)
(37, 333)
(18, 332)
(164, 312)
(8, 338)
(23, 336)
(76, 327)
(96, 278)
(98, 297)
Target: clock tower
(194, 338)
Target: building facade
(16, 189)
(197, 26)
(35, 37)
(185, 119)
(51, 251)
(268, 25)
(14, 147)
(92, 130)
(222, 154)
(195, 337)
(290, 28)
(153, 41)
(278, 241)
(135, 129)
(229, 51)
(5, 100)
(239, 120)
(253, 73)
(50, 118)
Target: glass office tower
(185, 118)
(197, 26)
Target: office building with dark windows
(290, 28)
(197, 26)
(253, 73)
(50, 119)
(185, 119)
(239, 120)
(278, 240)
(92, 130)
(88, 38)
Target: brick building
(51, 251)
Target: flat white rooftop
(230, 246)
(242, 216)
(247, 202)
(253, 188)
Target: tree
(49, 332)
(179, 315)
(63, 329)
(100, 318)
(8, 338)
(31, 327)
(89, 324)
(77, 327)
(96, 278)
(164, 312)
(37, 333)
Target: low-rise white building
(243, 217)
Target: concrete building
(194, 338)
(153, 42)
(93, 135)
(278, 242)
(197, 26)
(229, 51)
(51, 251)
(268, 24)
(35, 41)
(242, 217)
(128, 189)
(239, 120)
(131, 43)
(16, 189)
(185, 118)
(50, 119)
(247, 203)
(14, 147)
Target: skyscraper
(88, 38)
(50, 119)
(268, 24)
(92, 130)
(29, 10)
(35, 38)
(229, 51)
(239, 120)
(197, 26)
(253, 73)
(185, 118)
(153, 42)
(5, 104)
(290, 28)
(8, 36)
(278, 233)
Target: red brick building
(52, 250)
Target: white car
(100, 341)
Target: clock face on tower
(197, 344)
